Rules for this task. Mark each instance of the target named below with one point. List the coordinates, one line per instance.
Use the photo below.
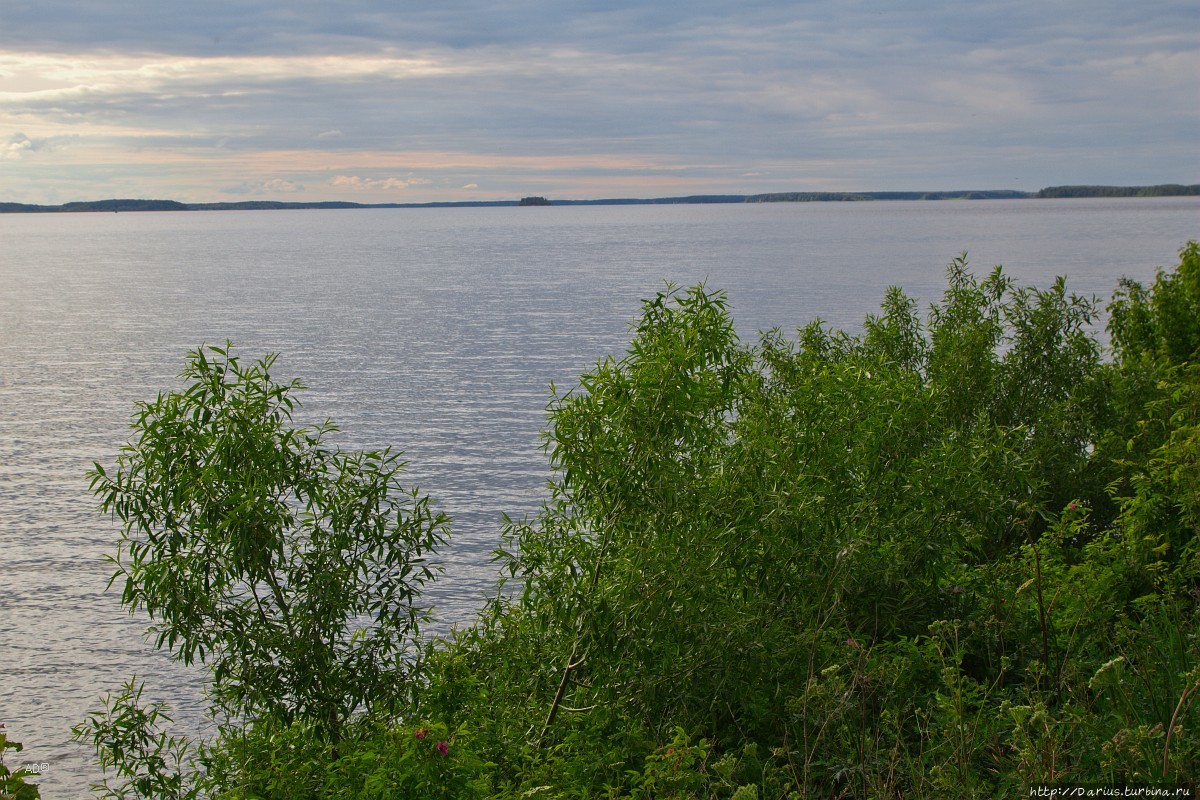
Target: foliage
(149, 763)
(292, 570)
(12, 782)
(372, 762)
(1158, 190)
(1163, 321)
(955, 555)
(894, 561)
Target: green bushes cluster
(953, 556)
(13, 785)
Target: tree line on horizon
(129, 205)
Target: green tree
(290, 568)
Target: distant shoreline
(1159, 190)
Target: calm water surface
(437, 331)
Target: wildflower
(443, 748)
(422, 733)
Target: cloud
(272, 186)
(357, 183)
(623, 97)
(279, 185)
(68, 73)
(17, 145)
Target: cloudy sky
(396, 101)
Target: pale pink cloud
(374, 184)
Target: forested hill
(817, 197)
(1160, 190)
(167, 205)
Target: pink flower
(422, 733)
(443, 748)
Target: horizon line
(1050, 192)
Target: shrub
(12, 782)
(291, 569)
(952, 556)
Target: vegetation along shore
(955, 555)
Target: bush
(292, 570)
(953, 556)
(893, 561)
(12, 782)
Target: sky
(379, 101)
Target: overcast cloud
(382, 102)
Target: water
(437, 331)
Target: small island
(534, 201)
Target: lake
(436, 331)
